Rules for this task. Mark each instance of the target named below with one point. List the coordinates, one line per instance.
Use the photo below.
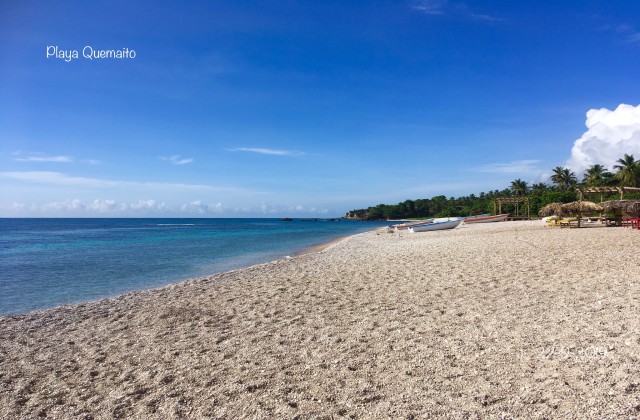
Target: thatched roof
(634, 207)
(551, 209)
(627, 206)
(612, 205)
(581, 206)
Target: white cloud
(177, 160)
(628, 31)
(459, 9)
(609, 135)
(264, 151)
(82, 208)
(68, 205)
(149, 207)
(14, 206)
(430, 7)
(104, 206)
(199, 207)
(39, 157)
(269, 209)
(526, 166)
(143, 205)
(62, 179)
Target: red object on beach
(632, 223)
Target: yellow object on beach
(568, 223)
(553, 221)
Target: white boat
(446, 219)
(408, 225)
(450, 224)
(486, 219)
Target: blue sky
(242, 109)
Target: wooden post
(580, 209)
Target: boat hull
(435, 226)
(487, 219)
(408, 225)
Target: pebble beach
(508, 319)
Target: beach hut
(579, 207)
(634, 208)
(551, 209)
(617, 207)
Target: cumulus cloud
(269, 209)
(14, 206)
(144, 205)
(609, 135)
(105, 206)
(199, 207)
(176, 159)
(263, 151)
(79, 207)
(67, 205)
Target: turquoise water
(49, 262)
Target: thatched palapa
(576, 207)
(627, 206)
(634, 207)
(551, 209)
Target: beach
(509, 319)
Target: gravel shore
(509, 319)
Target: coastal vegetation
(562, 189)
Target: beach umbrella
(581, 207)
(551, 209)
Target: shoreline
(294, 252)
(322, 246)
(314, 249)
(509, 319)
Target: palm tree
(628, 171)
(596, 175)
(563, 178)
(519, 187)
(538, 188)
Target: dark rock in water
(286, 219)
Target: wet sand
(487, 320)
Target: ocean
(50, 262)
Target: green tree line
(563, 190)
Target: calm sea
(49, 262)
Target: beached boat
(486, 219)
(411, 224)
(450, 224)
(446, 219)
